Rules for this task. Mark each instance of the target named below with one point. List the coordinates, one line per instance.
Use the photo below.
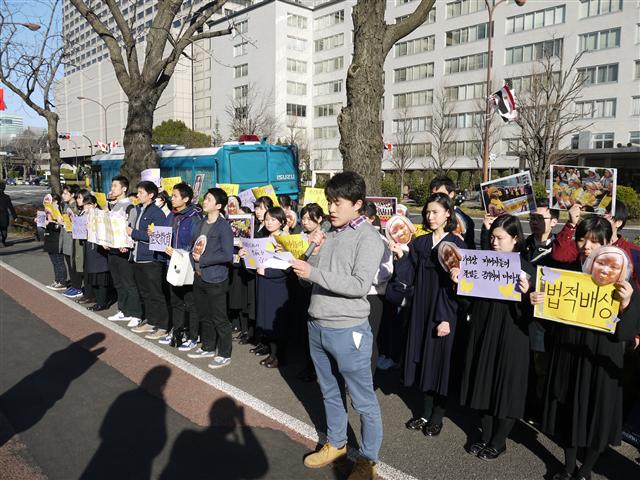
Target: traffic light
(64, 136)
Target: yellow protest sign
(297, 245)
(66, 219)
(266, 191)
(576, 299)
(420, 230)
(101, 198)
(167, 184)
(229, 188)
(316, 195)
(53, 210)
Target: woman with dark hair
(432, 326)
(95, 262)
(261, 206)
(163, 202)
(583, 404)
(272, 299)
(82, 198)
(371, 212)
(497, 362)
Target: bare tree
(143, 81)
(443, 132)
(28, 148)
(296, 135)
(401, 157)
(250, 111)
(361, 141)
(476, 151)
(548, 113)
(30, 69)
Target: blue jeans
(338, 345)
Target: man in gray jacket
(342, 269)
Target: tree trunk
(361, 142)
(137, 137)
(401, 185)
(54, 152)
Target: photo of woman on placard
(608, 265)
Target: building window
(591, 8)
(296, 21)
(465, 92)
(464, 7)
(602, 108)
(402, 2)
(538, 19)
(634, 137)
(469, 148)
(327, 43)
(635, 106)
(295, 110)
(329, 65)
(328, 109)
(327, 88)
(322, 133)
(296, 44)
(241, 70)
(296, 88)
(241, 27)
(602, 40)
(413, 99)
(415, 72)
(240, 92)
(416, 150)
(296, 66)
(467, 34)
(602, 140)
(241, 113)
(636, 70)
(465, 120)
(465, 64)
(413, 47)
(599, 74)
(431, 17)
(416, 124)
(329, 20)
(533, 51)
(523, 84)
(240, 49)
(512, 146)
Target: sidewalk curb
(294, 428)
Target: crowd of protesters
(362, 302)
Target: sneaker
(118, 317)
(219, 362)
(188, 346)
(144, 328)
(364, 469)
(68, 290)
(200, 353)
(157, 334)
(56, 286)
(73, 293)
(326, 455)
(166, 340)
(134, 322)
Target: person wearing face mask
(583, 400)
(496, 367)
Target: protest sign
(489, 274)
(48, 198)
(386, 208)
(159, 238)
(247, 199)
(513, 195)
(54, 211)
(400, 229)
(316, 195)
(241, 227)
(279, 261)
(41, 218)
(449, 255)
(259, 250)
(167, 184)
(420, 230)
(576, 299)
(229, 188)
(101, 198)
(197, 188)
(66, 222)
(593, 188)
(266, 191)
(79, 227)
(151, 175)
(108, 229)
(297, 244)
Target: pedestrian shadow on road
(28, 401)
(133, 432)
(11, 251)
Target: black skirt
(101, 279)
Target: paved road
(80, 418)
(26, 193)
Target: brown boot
(363, 469)
(325, 456)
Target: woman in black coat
(432, 327)
(96, 265)
(496, 361)
(583, 404)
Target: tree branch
(395, 32)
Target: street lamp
(491, 7)
(31, 26)
(106, 138)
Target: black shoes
(491, 453)
(476, 448)
(273, 363)
(416, 423)
(562, 476)
(97, 308)
(260, 350)
(432, 429)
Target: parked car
(10, 181)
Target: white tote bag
(180, 271)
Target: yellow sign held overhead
(229, 188)
(101, 198)
(54, 211)
(266, 191)
(316, 195)
(167, 184)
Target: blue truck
(249, 164)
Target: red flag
(2, 104)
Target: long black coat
(6, 208)
(583, 402)
(427, 357)
(497, 357)
(272, 302)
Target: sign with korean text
(259, 250)
(316, 195)
(101, 198)
(54, 211)
(386, 207)
(247, 198)
(41, 218)
(576, 299)
(167, 184)
(489, 274)
(266, 191)
(229, 188)
(151, 175)
(297, 244)
(108, 229)
(79, 227)
(159, 238)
